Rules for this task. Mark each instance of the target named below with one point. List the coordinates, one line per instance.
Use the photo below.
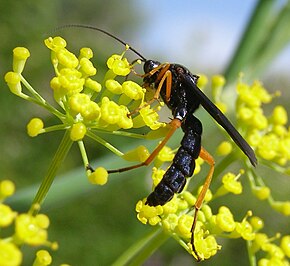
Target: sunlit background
(98, 226)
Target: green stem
(252, 257)
(253, 36)
(273, 43)
(57, 161)
(141, 250)
(104, 143)
(39, 100)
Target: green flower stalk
(87, 106)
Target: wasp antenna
(103, 31)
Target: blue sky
(195, 32)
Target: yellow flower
(10, 254)
(35, 127)
(31, 229)
(148, 214)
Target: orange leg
(174, 124)
(164, 74)
(210, 160)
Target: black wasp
(178, 89)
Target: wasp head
(150, 65)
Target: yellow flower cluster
(268, 135)
(269, 252)
(28, 230)
(86, 105)
(75, 90)
(176, 216)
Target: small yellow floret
(114, 86)
(7, 189)
(71, 81)
(67, 58)
(225, 219)
(285, 245)
(10, 255)
(202, 81)
(262, 193)
(35, 127)
(125, 121)
(231, 183)
(20, 55)
(133, 90)
(150, 118)
(139, 154)
(257, 223)
(218, 81)
(86, 53)
(120, 66)
(7, 215)
(31, 229)
(282, 207)
(43, 258)
(55, 43)
(184, 225)
(110, 111)
(87, 68)
(99, 176)
(224, 148)
(279, 115)
(93, 85)
(13, 81)
(148, 214)
(78, 131)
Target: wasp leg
(174, 124)
(164, 74)
(210, 160)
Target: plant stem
(251, 256)
(57, 161)
(253, 36)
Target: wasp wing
(213, 110)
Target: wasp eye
(150, 65)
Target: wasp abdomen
(183, 164)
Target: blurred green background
(94, 225)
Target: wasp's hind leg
(205, 155)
